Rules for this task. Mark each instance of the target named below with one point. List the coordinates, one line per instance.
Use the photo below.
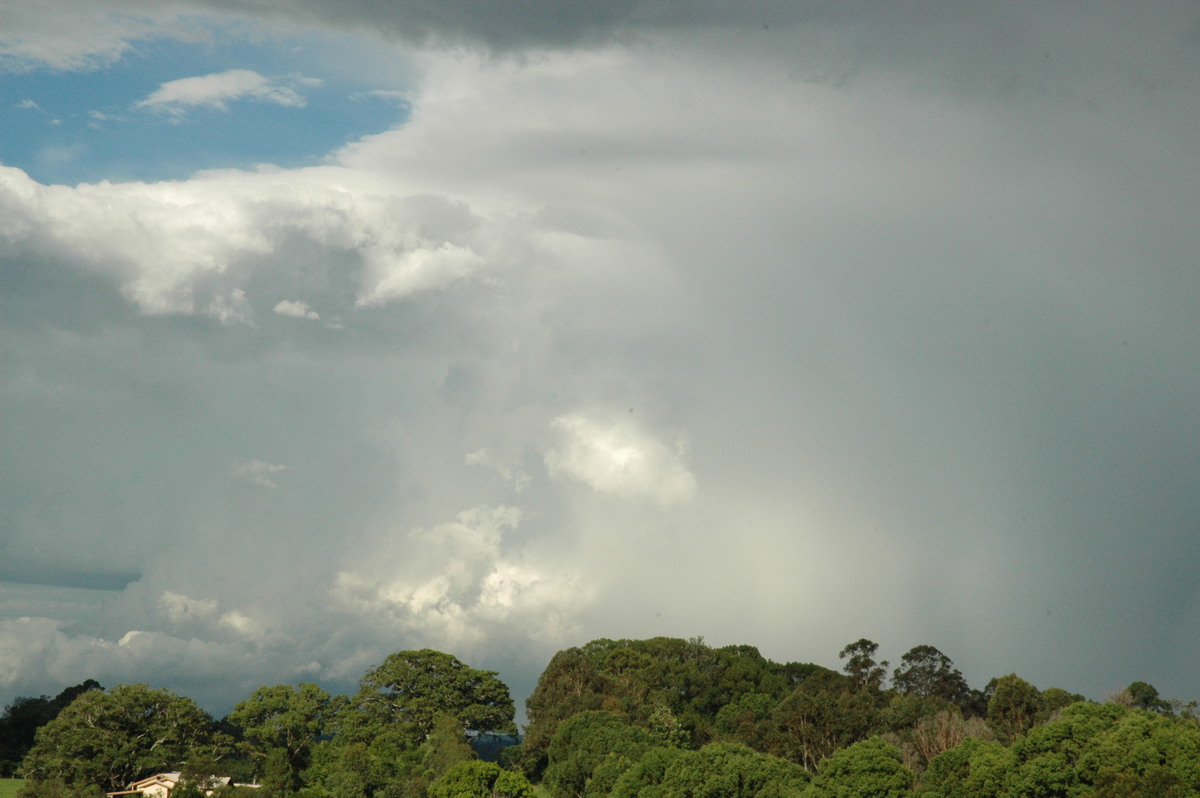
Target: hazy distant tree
(1145, 696)
(926, 672)
(446, 747)
(861, 666)
(1056, 698)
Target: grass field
(9, 787)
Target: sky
(329, 330)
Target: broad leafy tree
(669, 684)
(109, 739)
(643, 777)
(1056, 698)
(280, 725)
(1015, 706)
(928, 673)
(392, 733)
(868, 769)
(976, 768)
(583, 742)
(376, 768)
(729, 770)
(480, 780)
(411, 688)
(818, 718)
(749, 719)
(1107, 750)
(25, 715)
(1145, 696)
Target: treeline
(679, 718)
(663, 718)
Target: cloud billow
(619, 459)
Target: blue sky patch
(87, 126)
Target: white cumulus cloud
(457, 585)
(395, 275)
(241, 623)
(256, 472)
(178, 608)
(620, 459)
(297, 310)
(220, 88)
(510, 473)
(193, 246)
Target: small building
(160, 785)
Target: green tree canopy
(975, 768)
(868, 769)
(25, 715)
(445, 747)
(280, 725)
(1107, 749)
(1145, 696)
(583, 742)
(386, 743)
(819, 717)
(676, 686)
(382, 767)
(411, 688)
(1056, 698)
(1014, 707)
(480, 780)
(727, 770)
(109, 739)
(641, 777)
(928, 673)
(861, 665)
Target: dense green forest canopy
(662, 718)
